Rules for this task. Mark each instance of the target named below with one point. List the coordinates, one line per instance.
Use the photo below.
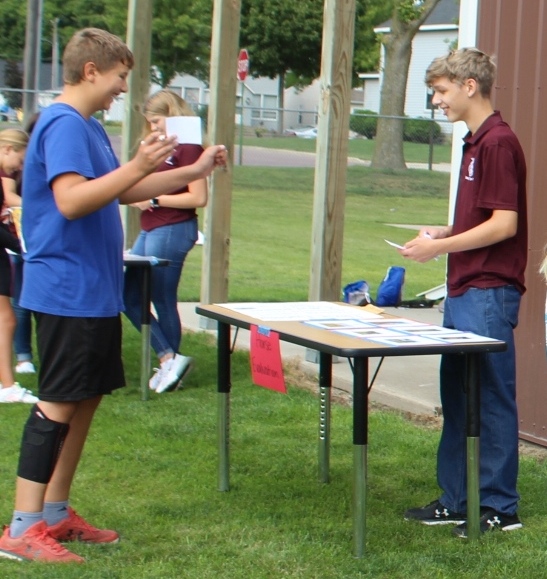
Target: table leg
(360, 445)
(223, 388)
(473, 442)
(145, 329)
(325, 389)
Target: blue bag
(390, 291)
(357, 293)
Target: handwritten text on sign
(266, 367)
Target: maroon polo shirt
(492, 176)
(182, 156)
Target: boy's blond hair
(460, 65)
(97, 46)
(17, 138)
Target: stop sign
(242, 65)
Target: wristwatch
(154, 203)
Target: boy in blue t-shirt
(73, 185)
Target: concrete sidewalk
(408, 383)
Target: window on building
(191, 96)
(266, 107)
(429, 99)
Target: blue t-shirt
(72, 267)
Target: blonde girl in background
(169, 230)
(13, 144)
(22, 339)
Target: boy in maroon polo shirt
(487, 252)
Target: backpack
(390, 290)
(357, 293)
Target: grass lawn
(271, 224)
(150, 471)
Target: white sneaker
(155, 380)
(159, 373)
(25, 367)
(174, 373)
(17, 393)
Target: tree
(181, 30)
(406, 18)
(283, 36)
(12, 29)
(284, 39)
(181, 39)
(14, 79)
(370, 13)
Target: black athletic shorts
(80, 358)
(5, 273)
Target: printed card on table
(187, 129)
(265, 354)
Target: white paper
(187, 129)
(299, 311)
(394, 244)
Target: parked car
(309, 133)
(303, 133)
(7, 114)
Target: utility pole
(32, 57)
(54, 54)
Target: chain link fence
(259, 130)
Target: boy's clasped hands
(157, 147)
(423, 247)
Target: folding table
(330, 344)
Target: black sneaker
(434, 513)
(490, 521)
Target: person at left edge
(13, 145)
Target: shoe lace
(45, 538)
(81, 522)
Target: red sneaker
(75, 528)
(36, 544)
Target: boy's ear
(471, 86)
(90, 71)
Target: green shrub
(364, 123)
(421, 130)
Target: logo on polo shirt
(471, 170)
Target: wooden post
(221, 129)
(139, 41)
(332, 150)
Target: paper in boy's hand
(187, 129)
(394, 244)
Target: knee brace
(41, 445)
